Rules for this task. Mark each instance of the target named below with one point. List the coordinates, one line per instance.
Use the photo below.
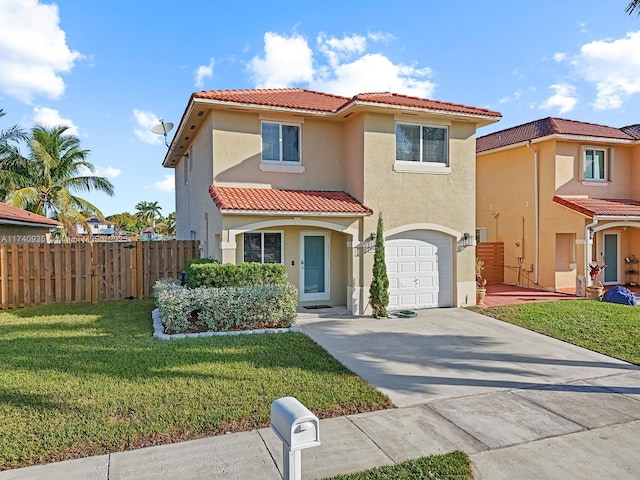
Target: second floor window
(595, 164)
(280, 142)
(422, 143)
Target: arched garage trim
(423, 226)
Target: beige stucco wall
(356, 155)
(445, 201)
(23, 234)
(195, 210)
(505, 191)
(237, 152)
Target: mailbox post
(298, 429)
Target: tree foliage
(379, 289)
(634, 6)
(47, 181)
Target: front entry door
(611, 258)
(314, 266)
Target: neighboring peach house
(96, 227)
(561, 194)
(299, 177)
(20, 226)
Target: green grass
(451, 466)
(78, 380)
(603, 327)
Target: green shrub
(229, 275)
(228, 308)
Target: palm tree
(57, 168)
(633, 6)
(148, 211)
(12, 164)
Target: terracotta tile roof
(609, 207)
(633, 130)
(548, 126)
(301, 99)
(294, 98)
(15, 214)
(395, 99)
(230, 199)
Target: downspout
(536, 214)
(588, 246)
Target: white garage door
(419, 266)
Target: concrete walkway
(520, 404)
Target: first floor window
(280, 142)
(263, 247)
(595, 164)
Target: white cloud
(167, 184)
(203, 72)
(287, 60)
(376, 73)
(48, 117)
(144, 121)
(516, 95)
(107, 172)
(33, 50)
(349, 69)
(338, 49)
(564, 98)
(560, 57)
(613, 66)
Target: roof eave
(481, 120)
(558, 136)
(6, 221)
(229, 211)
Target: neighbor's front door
(611, 258)
(314, 266)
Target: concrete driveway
(447, 353)
(539, 408)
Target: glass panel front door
(611, 257)
(314, 265)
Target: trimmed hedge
(220, 309)
(219, 275)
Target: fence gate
(492, 254)
(41, 273)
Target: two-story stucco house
(299, 177)
(561, 194)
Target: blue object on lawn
(620, 294)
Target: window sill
(595, 183)
(271, 167)
(421, 168)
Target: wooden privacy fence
(41, 273)
(492, 254)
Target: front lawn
(603, 327)
(79, 380)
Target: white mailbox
(294, 424)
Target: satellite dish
(162, 128)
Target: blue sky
(110, 69)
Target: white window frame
(280, 153)
(600, 181)
(262, 232)
(405, 166)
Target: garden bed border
(158, 330)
